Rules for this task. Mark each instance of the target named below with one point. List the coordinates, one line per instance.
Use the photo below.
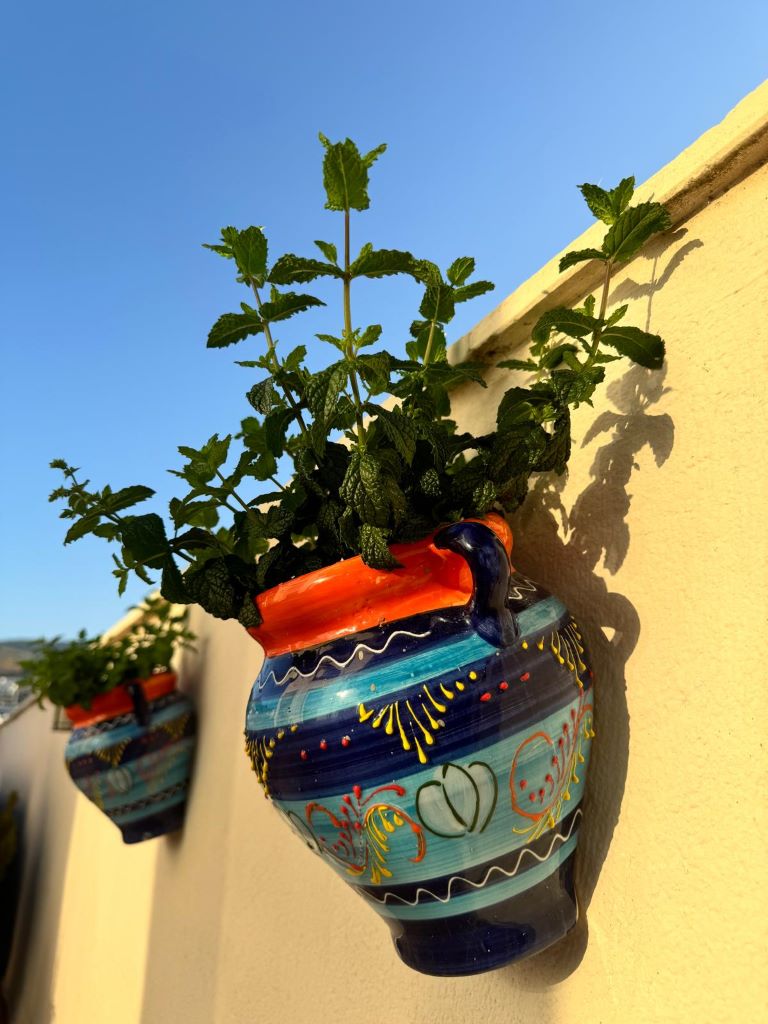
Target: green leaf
(85, 525)
(282, 305)
(250, 252)
(345, 174)
(172, 583)
(263, 396)
(363, 491)
(294, 359)
(429, 482)
(400, 431)
(472, 291)
(632, 230)
(322, 391)
(372, 262)
(438, 303)
(374, 549)
(558, 448)
(599, 202)
(579, 256)
(224, 247)
(328, 249)
(483, 497)
(127, 497)
(290, 269)
(566, 321)
(572, 387)
(374, 368)
(554, 357)
(145, 540)
(639, 346)
(369, 336)
(233, 327)
(460, 270)
(616, 315)
(621, 196)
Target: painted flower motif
(458, 801)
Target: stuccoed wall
(656, 542)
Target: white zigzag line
(293, 673)
(514, 592)
(489, 872)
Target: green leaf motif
(632, 230)
(345, 174)
(639, 346)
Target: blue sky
(133, 131)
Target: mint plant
(364, 475)
(76, 672)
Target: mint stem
(350, 348)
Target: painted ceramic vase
(426, 732)
(131, 754)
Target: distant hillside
(11, 653)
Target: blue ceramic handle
(491, 570)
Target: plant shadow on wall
(595, 534)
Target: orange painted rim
(349, 596)
(118, 701)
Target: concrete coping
(713, 164)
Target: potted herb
(131, 747)
(424, 714)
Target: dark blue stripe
(470, 724)
(145, 743)
(493, 936)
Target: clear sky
(133, 131)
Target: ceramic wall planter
(131, 754)
(427, 733)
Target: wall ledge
(713, 164)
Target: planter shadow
(566, 550)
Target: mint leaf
(290, 269)
(374, 549)
(372, 262)
(282, 305)
(639, 346)
(472, 291)
(579, 256)
(126, 497)
(566, 321)
(572, 387)
(528, 365)
(145, 540)
(263, 396)
(400, 431)
(250, 253)
(632, 229)
(233, 327)
(345, 174)
(460, 270)
(323, 390)
(328, 249)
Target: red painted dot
(541, 792)
(323, 744)
(560, 742)
(485, 696)
(357, 791)
(532, 797)
(525, 677)
(358, 826)
(304, 755)
(555, 762)
(549, 778)
(523, 783)
(573, 714)
(565, 730)
(345, 741)
(504, 686)
(346, 798)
